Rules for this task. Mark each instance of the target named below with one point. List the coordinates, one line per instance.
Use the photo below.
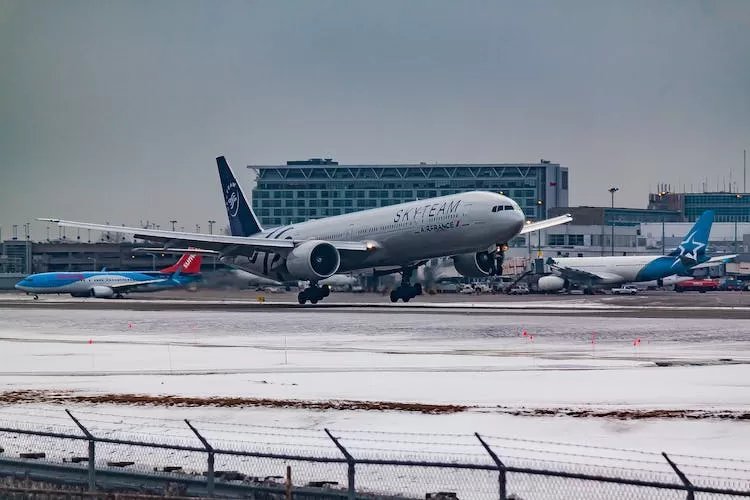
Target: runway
(630, 380)
(651, 304)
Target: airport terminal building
(728, 207)
(309, 189)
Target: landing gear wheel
(36, 297)
(417, 289)
(314, 294)
(394, 296)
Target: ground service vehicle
(625, 290)
(697, 285)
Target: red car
(697, 285)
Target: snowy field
(509, 376)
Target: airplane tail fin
(189, 263)
(242, 219)
(693, 248)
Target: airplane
(593, 272)
(108, 284)
(472, 227)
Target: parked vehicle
(697, 285)
(519, 289)
(732, 285)
(625, 290)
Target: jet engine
(551, 283)
(313, 260)
(474, 265)
(102, 292)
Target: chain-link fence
(183, 458)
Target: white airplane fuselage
(404, 233)
(612, 269)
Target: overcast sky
(116, 110)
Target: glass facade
(635, 216)
(729, 207)
(287, 194)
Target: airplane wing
(123, 287)
(544, 224)
(715, 261)
(228, 245)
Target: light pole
(197, 228)
(211, 226)
(539, 204)
(92, 259)
(612, 192)
(736, 217)
(173, 222)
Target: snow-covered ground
(500, 368)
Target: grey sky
(115, 110)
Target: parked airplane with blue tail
(596, 272)
(108, 284)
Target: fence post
(92, 451)
(210, 450)
(500, 468)
(351, 492)
(688, 485)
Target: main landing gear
(406, 291)
(314, 293)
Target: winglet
(242, 219)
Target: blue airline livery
(108, 284)
(591, 272)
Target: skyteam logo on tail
(232, 198)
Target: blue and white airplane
(594, 272)
(108, 284)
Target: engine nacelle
(102, 292)
(551, 283)
(313, 260)
(473, 265)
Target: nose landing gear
(498, 256)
